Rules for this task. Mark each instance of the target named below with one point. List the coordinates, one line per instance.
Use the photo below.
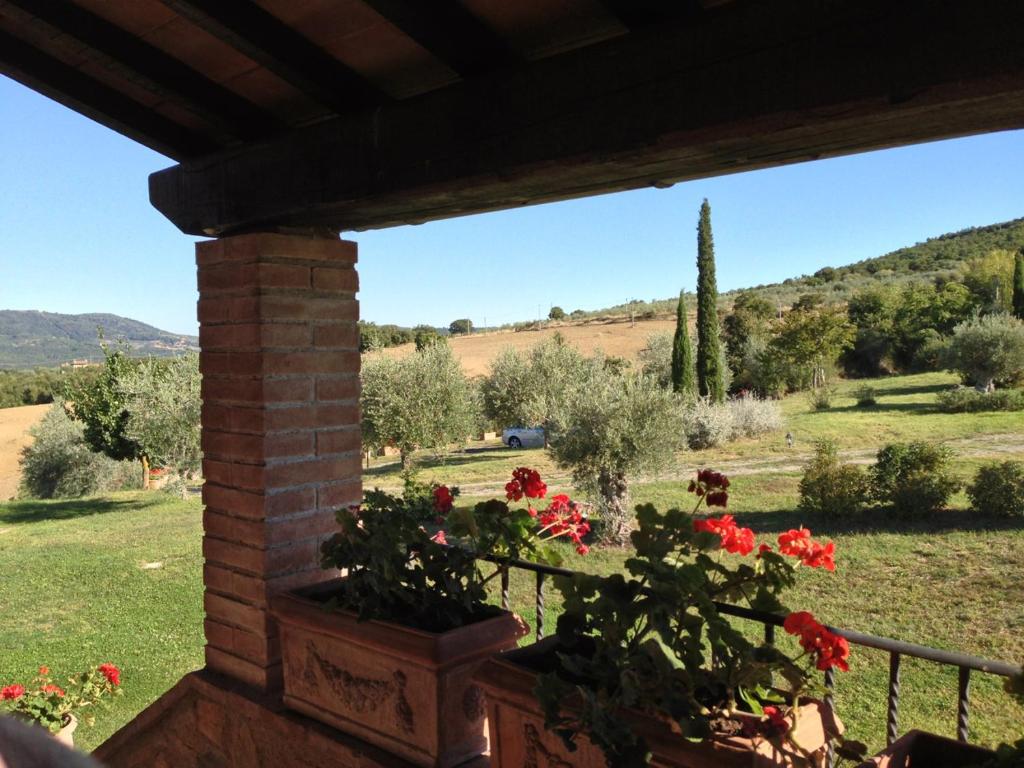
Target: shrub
(821, 398)
(707, 424)
(753, 416)
(987, 350)
(830, 488)
(866, 397)
(914, 478)
(970, 400)
(998, 488)
(60, 464)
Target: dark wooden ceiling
(353, 114)
(191, 77)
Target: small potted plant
(59, 708)
(644, 670)
(388, 651)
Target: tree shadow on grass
(881, 520)
(921, 389)
(34, 510)
(884, 408)
(475, 456)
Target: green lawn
(75, 589)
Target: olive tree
(162, 399)
(530, 389)
(987, 349)
(420, 401)
(611, 430)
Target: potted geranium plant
(644, 669)
(391, 660)
(59, 708)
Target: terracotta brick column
(280, 363)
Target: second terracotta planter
(920, 748)
(405, 690)
(519, 739)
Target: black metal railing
(897, 649)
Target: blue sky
(77, 233)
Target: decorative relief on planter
(360, 694)
(537, 756)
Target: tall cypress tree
(683, 380)
(1018, 284)
(710, 374)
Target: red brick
(234, 555)
(338, 441)
(232, 445)
(317, 470)
(289, 444)
(303, 527)
(289, 390)
(232, 418)
(336, 251)
(227, 611)
(311, 417)
(218, 634)
(334, 361)
(284, 276)
(218, 578)
(227, 279)
(328, 279)
(266, 678)
(305, 308)
(233, 501)
(290, 502)
(333, 496)
(342, 335)
(235, 363)
(286, 335)
(337, 387)
(252, 533)
(224, 309)
(294, 556)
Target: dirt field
(14, 424)
(615, 338)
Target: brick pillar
(281, 442)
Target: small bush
(866, 397)
(753, 416)
(707, 424)
(821, 398)
(914, 478)
(970, 400)
(998, 489)
(59, 463)
(830, 488)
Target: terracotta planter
(519, 739)
(407, 691)
(66, 735)
(919, 748)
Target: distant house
(76, 364)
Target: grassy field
(119, 579)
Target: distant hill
(30, 339)
(938, 257)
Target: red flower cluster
(563, 517)
(830, 649)
(443, 500)
(713, 485)
(112, 673)
(777, 721)
(54, 689)
(11, 692)
(525, 482)
(439, 538)
(44, 671)
(797, 542)
(739, 541)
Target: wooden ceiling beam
(68, 86)
(152, 68)
(262, 37)
(754, 86)
(450, 33)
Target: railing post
(504, 588)
(893, 714)
(540, 605)
(963, 704)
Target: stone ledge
(209, 721)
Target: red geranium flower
(53, 689)
(11, 692)
(797, 542)
(442, 500)
(44, 671)
(564, 518)
(439, 537)
(737, 540)
(112, 673)
(830, 650)
(777, 721)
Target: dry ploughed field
(14, 426)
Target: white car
(523, 437)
